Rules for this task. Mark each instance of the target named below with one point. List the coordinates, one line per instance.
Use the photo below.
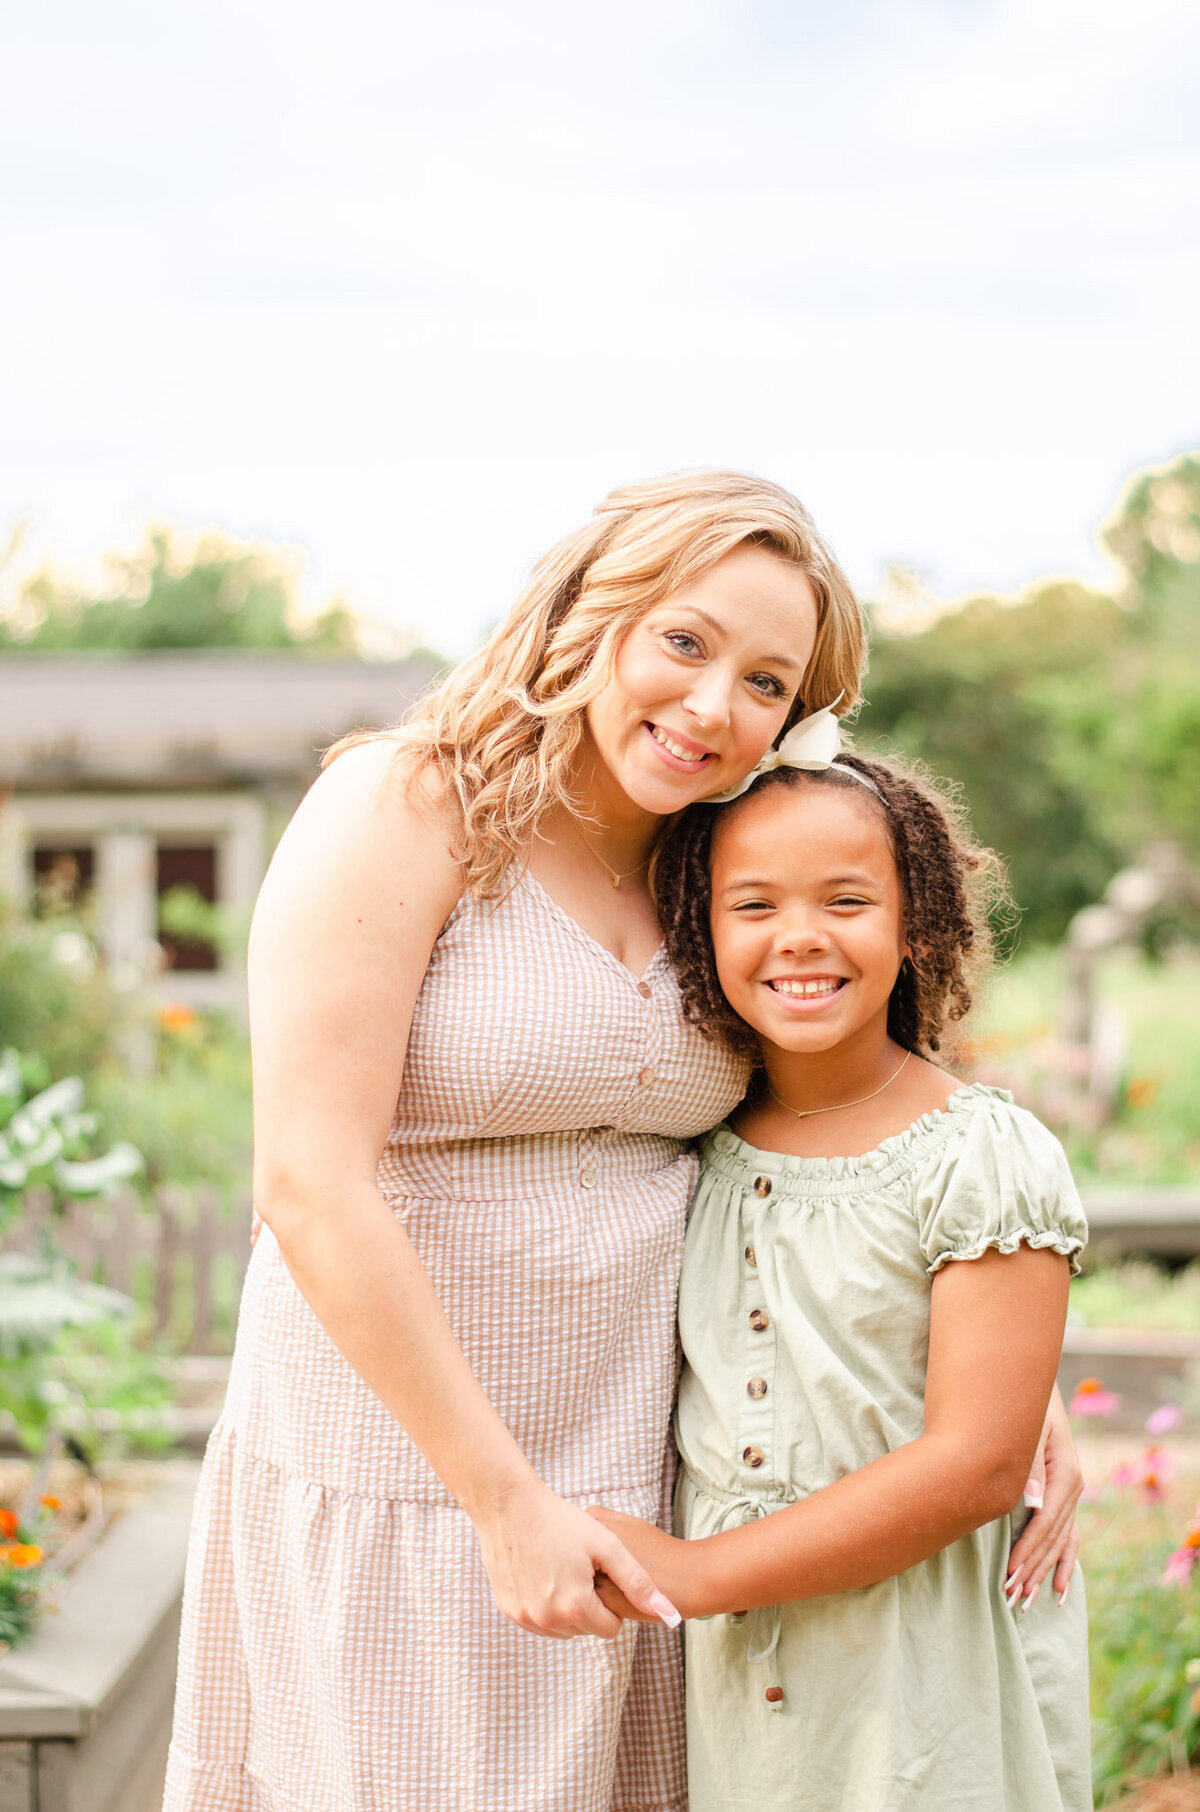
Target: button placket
(755, 1421)
(587, 1172)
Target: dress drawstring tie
(764, 1624)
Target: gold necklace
(804, 1113)
(616, 878)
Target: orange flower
(51, 1503)
(8, 1524)
(1192, 1539)
(1141, 1091)
(24, 1554)
(175, 1017)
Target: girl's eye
(850, 899)
(753, 906)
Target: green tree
(219, 594)
(1070, 717)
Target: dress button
(762, 1185)
(587, 1179)
(773, 1695)
(759, 1319)
(757, 1387)
(753, 1456)
(645, 990)
(750, 1258)
(646, 1077)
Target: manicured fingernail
(1025, 1606)
(1033, 1495)
(1062, 1596)
(1012, 1594)
(662, 1607)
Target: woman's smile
(702, 684)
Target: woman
(447, 1351)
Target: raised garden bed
(85, 1706)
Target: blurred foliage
(1136, 1293)
(1144, 1639)
(217, 594)
(1153, 1134)
(54, 997)
(1070, 717)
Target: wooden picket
(182, 1257)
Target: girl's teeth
(673, 748)
(807, 987)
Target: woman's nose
(707, 700)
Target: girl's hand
(675, 1565)
(1050, 1540)
(543, 1558)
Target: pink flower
(1091, 1399)
(1164, 1419)
(1178, 1569)
(1153, 1474)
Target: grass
(1134, 1293)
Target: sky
(408, 288)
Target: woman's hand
(545, 1558)
(676, 1565)
(1050, 1540)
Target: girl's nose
(800, 933)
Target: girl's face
(702, 685)
(807, 914)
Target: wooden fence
(182, 1258)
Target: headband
(812, 744)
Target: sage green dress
(804, 1316)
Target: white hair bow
(813, 743)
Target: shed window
(192, 867)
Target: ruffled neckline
(736, 1158)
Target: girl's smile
(807, 915)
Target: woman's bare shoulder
(376, 824)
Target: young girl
(871, 1310)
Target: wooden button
(759, 1319)
(750, 1258)
(753, 1456)
(645, 990)
(773, 1695)
(762, 1185)
(647, 1076)
(757, 1387)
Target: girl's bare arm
(357, 893)
(996, 1326)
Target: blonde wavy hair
(502, 729)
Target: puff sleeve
(1002, 1181)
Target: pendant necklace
(804, 1113)
(615, 877)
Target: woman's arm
(995, 1334)
(357, 893)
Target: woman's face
(807, 915)
(703, 684)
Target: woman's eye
(768, 685)
(684, 642)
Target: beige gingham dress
(341, 1651)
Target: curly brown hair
(953, 890)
